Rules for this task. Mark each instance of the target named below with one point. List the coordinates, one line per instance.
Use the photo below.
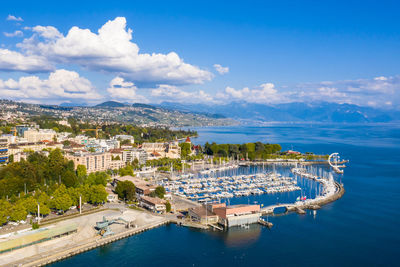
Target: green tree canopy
(5, 210)
(127, 170)
(159, 191)
(69, 178)
(126, 190)
(18, 212)
(168, 206)
(61, 200)
(98, 178)
(98, 194)
(81, 173)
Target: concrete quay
(54, 256)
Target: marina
(208, 189)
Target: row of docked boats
(219, 169)
(210, 188)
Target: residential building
(24, 127)
(173, 150)
(116, 164)
(108, 144)
(161, 150)
(93, 161)
(129, 155)
(34, 135)
(3, 150)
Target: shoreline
(95, 242)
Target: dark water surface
(362, 228)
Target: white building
(129, 155)
(34, 135)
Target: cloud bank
(61, 84)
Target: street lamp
(38, 212)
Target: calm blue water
(362, 228)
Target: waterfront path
(63, 253)
(86, 238)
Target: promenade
(86, 239)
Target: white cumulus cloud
(124, 91)
(166, 92)
(15, 61)
(14, 18)
(111, 50)
(221, 70)
(60, 85)
(13, 34)
(265, 93)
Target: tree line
(50, 181)
(251, 151)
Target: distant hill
(111, 111)
(67, 104)
(111, 104)
(141, 105)
(292, 112)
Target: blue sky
(268, 51)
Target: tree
(259, 147)
(5, 209)
(168, 206)
(30, 204)
(207, 149)
(56, 163)
(126, 190)
(43, 198)
(98, 194)
(66, 143)
(74, 194)
(69, 178)
(11, 159)
(160, 191)
(18, 212)
(98, 178)
(61, 200)
(185, 150)
(233, 150)
(81, 173)
(127, 170)
(44, 210)
(243, 149)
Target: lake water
(362, 228)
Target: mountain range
(292, 112)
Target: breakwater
(332, 192)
